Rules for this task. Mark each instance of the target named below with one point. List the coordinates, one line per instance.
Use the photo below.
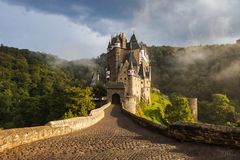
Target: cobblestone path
(117, 137)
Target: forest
(36, 88)
(210, 73)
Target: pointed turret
(123, 40)
(133, 38)
(131, 70)
(109, 46)
(142, 72)
(130, 45)
(133, 42)
(117, 42)
(117, 39)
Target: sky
(75, 29)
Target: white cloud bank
(187, 22)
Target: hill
(211, 73)
(197, 71)
(36, 87)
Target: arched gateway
(116, 99)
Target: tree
(179, 110)
(218, 111)
(99, 90)
(33, 88)
(155, 110)
(30, 112)
(78, 102)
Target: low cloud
(231, 71)
(191, 55)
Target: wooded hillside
(36, 88)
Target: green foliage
(99, 90)
(35, 88)
(200, 72)
(68, 114)
(78, 102)
(219, 111)
(197, 71)
(179, 110)
(155, 110)
(165, 111)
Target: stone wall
(10, 138)
(130, 104)
(193, 132)
(146, 123)
(205, 133)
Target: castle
(128, 72)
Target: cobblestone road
(117, 137)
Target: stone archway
(116, 99)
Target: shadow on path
(193, 150)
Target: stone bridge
(117, 137)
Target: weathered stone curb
(10, 138)
(193, 132)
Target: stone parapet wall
(146, 123)
(81, 122)
(205, 133)
(193, 132)
(10, 138)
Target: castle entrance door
(116, 99)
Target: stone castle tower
(128, 73)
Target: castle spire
(131, 70)
(133, 41)
(133, 38)
(142, 72)
(117, 42)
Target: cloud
(80, 25)
(231, 71)
(94, 9)
(49, 33)
(188, 22)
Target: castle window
(125, 78)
